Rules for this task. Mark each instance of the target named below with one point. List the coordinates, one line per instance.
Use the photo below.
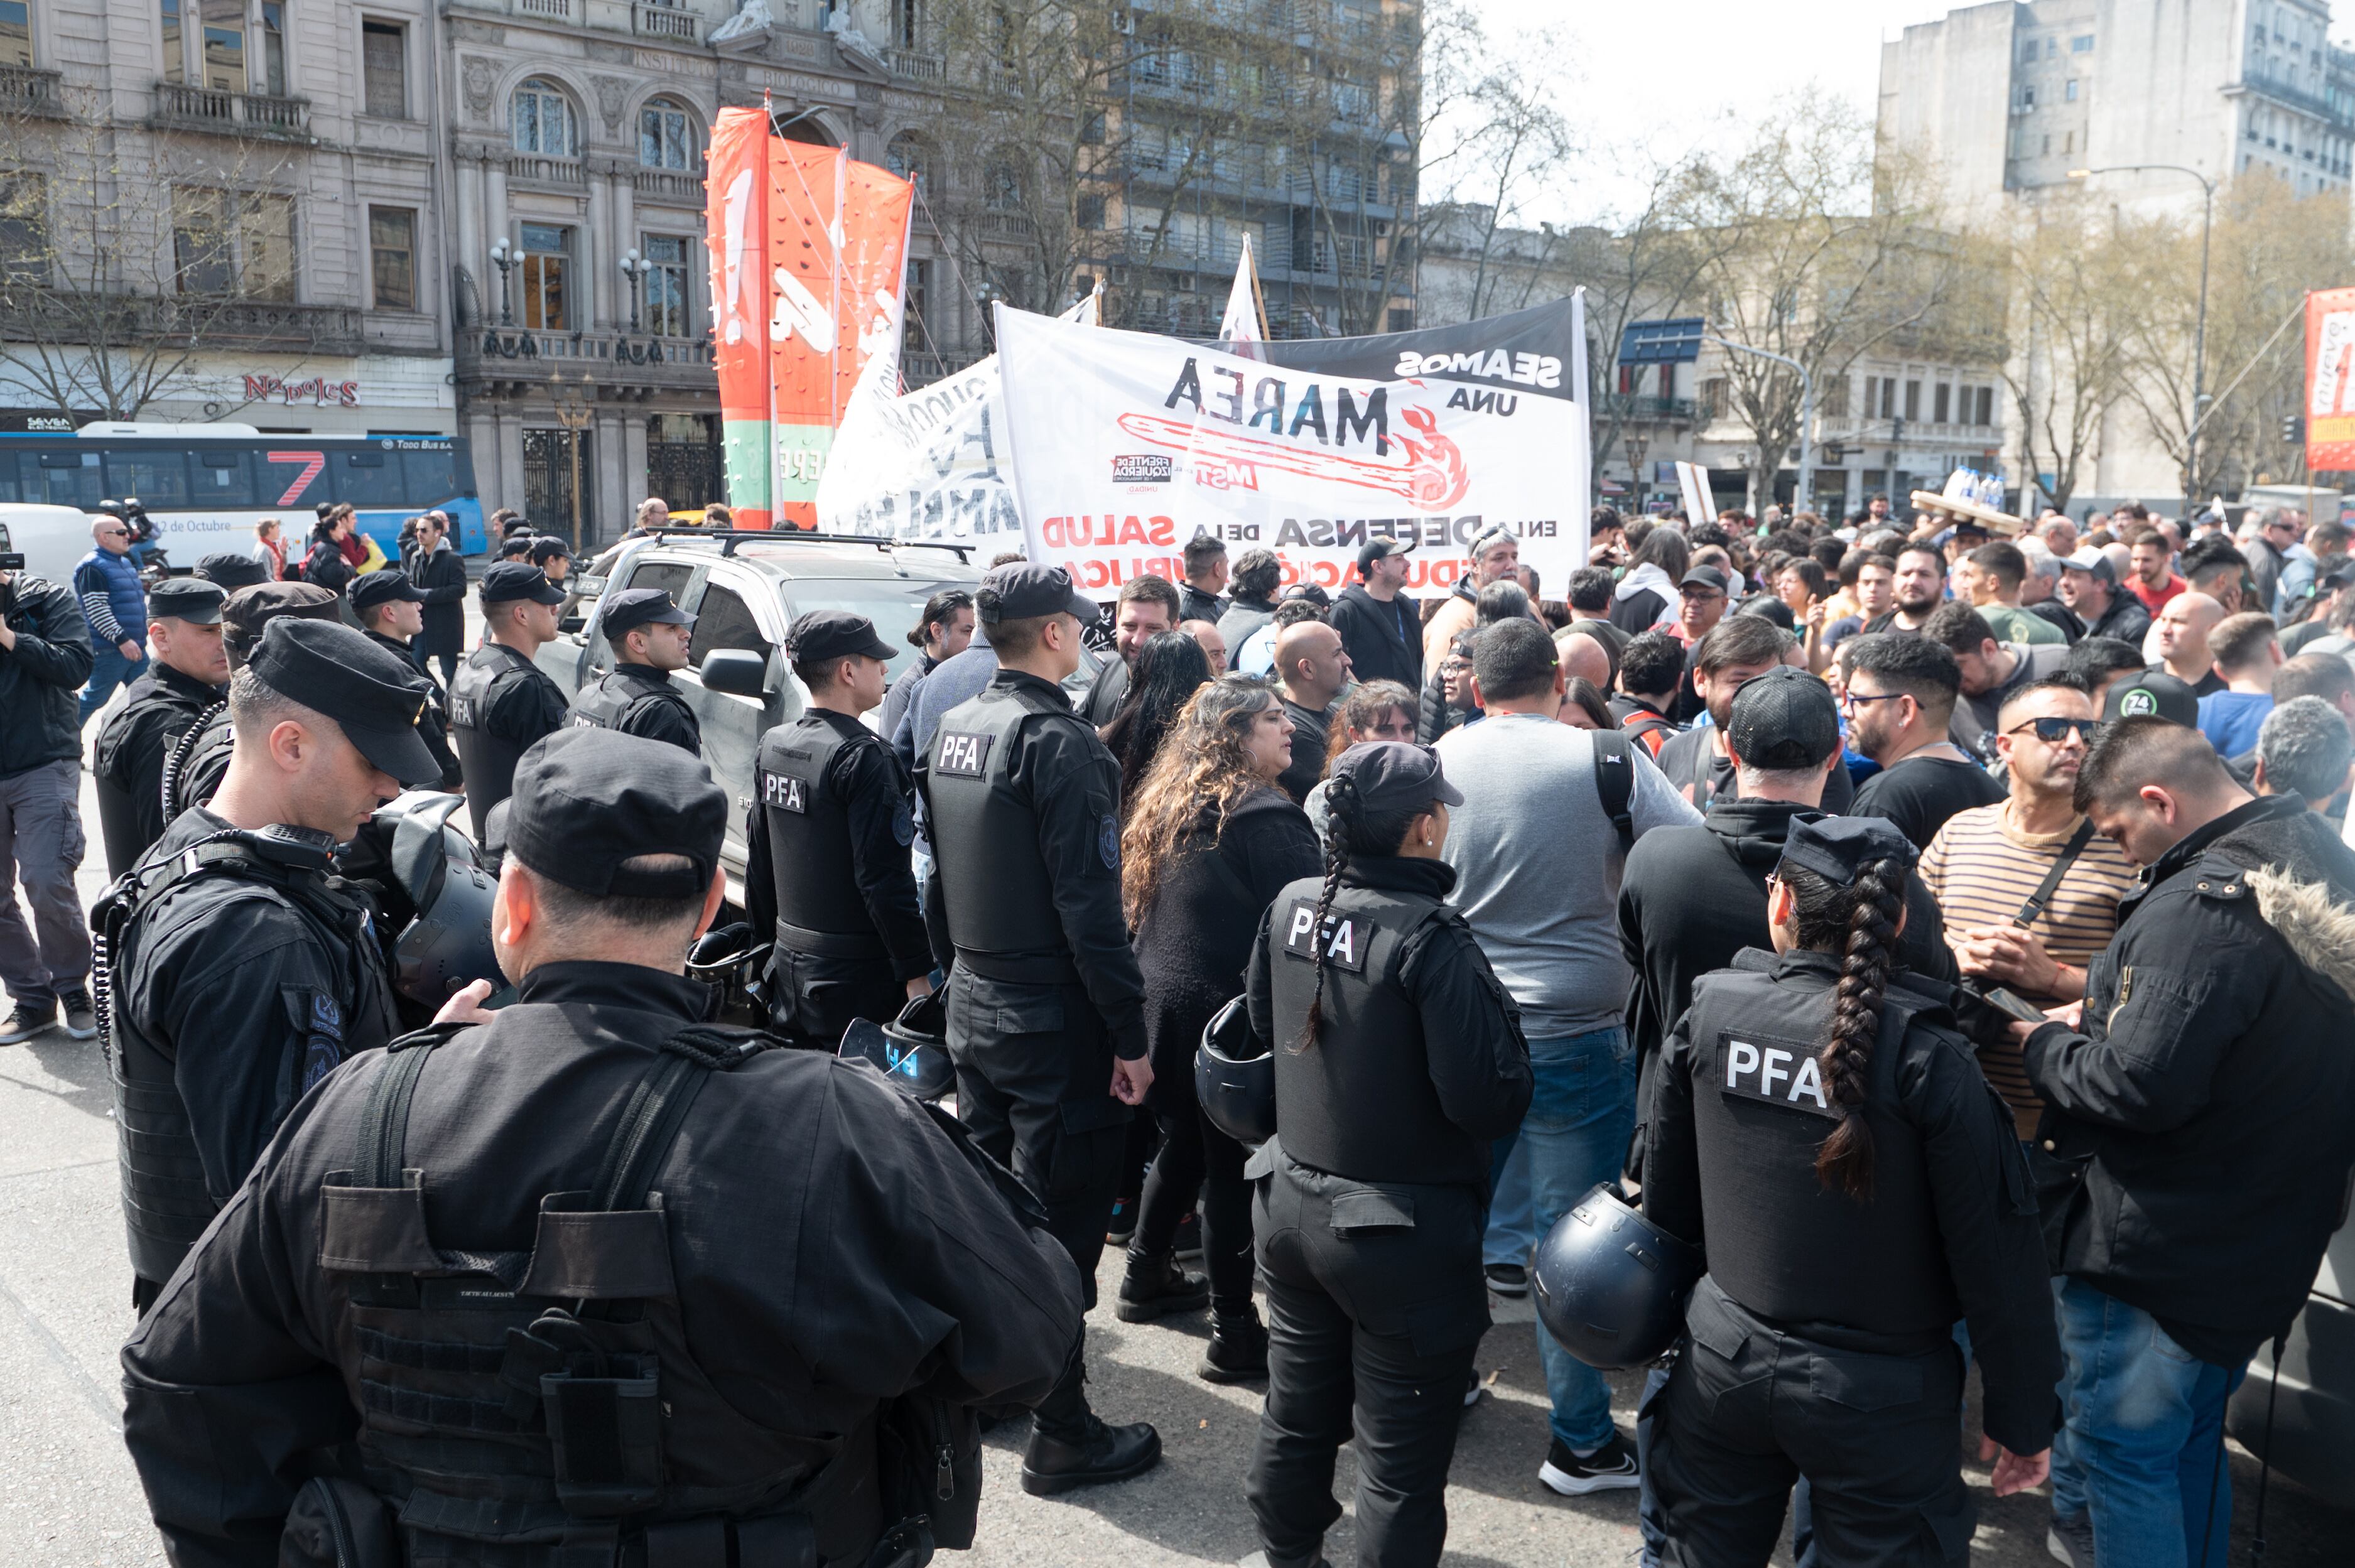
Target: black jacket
(830, 1247)
(1193, 605)
(1195, 941)
(2125, 620)
(2206, 1114)
(1384, 641)
(39, 675)
(161, 706)
(2060, 615)
(433, 719)
(441, 578)
(327, 566)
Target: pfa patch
(1343, 942)
(784, 792)
(966, 756)
(1782, 1072)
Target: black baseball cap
(2153, 694)
(587, 799)
(634, 607)
(383, 586)
(186, 599)
(1837, 848)
(824, 635)
(247, 612)
(1704, 577)
(1396, 775)
(231, 570)
(1373, 550)
(374, 696)
(1307, 593)
(1025, 589)
(2338, 576)
(1784, 719)
(511, 580)
(547, 547)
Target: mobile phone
(2011, 1003)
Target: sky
(1681, 73)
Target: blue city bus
(206, 486)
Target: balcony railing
(24, 91)
(2334, 115)
(622, 362)
(231, 114)
(669, 186)
(534, 169)
(1634, 406)
(194, 321)
(919, 67)
(663, 22)
(558, 10)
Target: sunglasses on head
(2050, 731)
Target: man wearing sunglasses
(106, 581)
(2029, 891)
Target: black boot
(1103, 1453)
(1238, 1349)
(1156, 1286)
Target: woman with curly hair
(1210, 838)
(1170, 668)
(1821, 1129)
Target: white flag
(1242, 325)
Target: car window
(724, 621)
(159, 479)
(893, 605)
(669, 575)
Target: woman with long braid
(1821, 1129)
(1398, 1059)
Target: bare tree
(2073, 304)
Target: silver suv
(744, 589)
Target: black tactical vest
(1358, 1103)
(623, 692)
(544, 1409)
(1000, 902)
(488, 760)
(1779, 1243)
(819, 910)
(195, 767)
(166, 1205)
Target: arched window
(542, 119)
(910, 157)
(666, 136)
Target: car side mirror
(736, 672)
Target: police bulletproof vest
(165, 1204)
(545, 1409)
(611, 702)
(1000, 903)
(489, 761)
(194, 768)
(819, 909)
(1358, 1103)
(1779, 1242)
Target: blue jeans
(109, 669)
(1512, 1221)
(2143, 1441)
(1581, 1114)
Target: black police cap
(374, 696)
(231, 570)
(547, 548)
(384, 586)
(1396, 775)
(186, 599)
(823, 635)
(1784, 719)
(247, 612)
(586, 800)
(1024, 591)
(635, 607)
(511, 580)
(1838, 848)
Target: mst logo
(1141, 468)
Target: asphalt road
(68, 1497)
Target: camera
(12, 561)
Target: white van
(52, 538)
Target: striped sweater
(1981, 870)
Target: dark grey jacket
(39, 675)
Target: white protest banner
(1699, 499)
(930, 464)
(1130, 444)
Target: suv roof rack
(731, 538)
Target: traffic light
(2293, 429)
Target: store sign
(318, 390)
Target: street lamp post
(505, 262)
(2200, 332)
(575, 407)
(1806, 417)
(634, 272)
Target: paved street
(68, 1496)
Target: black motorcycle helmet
(912, 1050)
(1234, 1077)
(1612, 1285)
(435, 893)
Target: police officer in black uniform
(1045, 1008)
(649, 635)
(826, 865)
(501, 701)
(392, 613)
(196, 763)
(231, 571)
(189, 673)
(240, 971)
(1823, 1132)
(758, 1340)
(1398, 1059)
